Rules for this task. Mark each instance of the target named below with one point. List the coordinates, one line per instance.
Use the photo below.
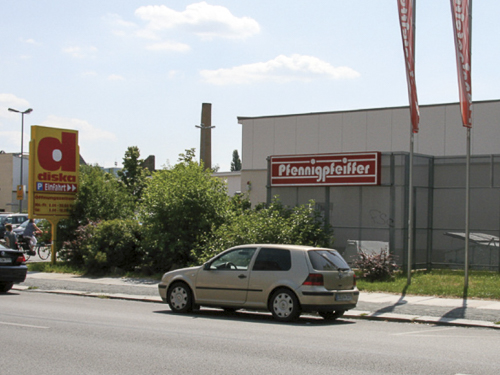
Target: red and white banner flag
(407, 23)
(461, 11)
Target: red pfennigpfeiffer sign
(359, 168)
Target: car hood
(182, 271)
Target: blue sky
(135, 73)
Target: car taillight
(315, 279)
(354, 280)
(20, 259)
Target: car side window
(273, 260)
(236, 260)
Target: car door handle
(242, 276)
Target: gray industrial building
(379, 213)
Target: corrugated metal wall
(380, 213)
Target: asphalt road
(53, 334)
(143, 287)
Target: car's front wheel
(331, 315)
(180, 298)
(284, 305)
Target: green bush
(108, 246)
(74, 251)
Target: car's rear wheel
(331, 315)
(284, 305)
(180, 298)
(4, 288)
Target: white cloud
(173, 74)
(116, 20)
(11, 139)
(282, 69)
(86, 131)
(119, 26)
(115, 77)
(11, 101)
(168, 46)
(89, 73)
(10, 122)
(204, 20)
(80, 52)
(29, 41)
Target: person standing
(10, 237)
(30, 233)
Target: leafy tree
(302, 225)
(179, 207)
(133, 174)
(100, 196)
(236, 163)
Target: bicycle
(44, 250)
(41, 248)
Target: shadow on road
(391, 308)
(458, 312)
(250, 316)
(10, 293)
(455, 313)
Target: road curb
(93, 294)
(352, 314)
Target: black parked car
(12, 268)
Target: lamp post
(29, 110)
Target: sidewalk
(375, 306)
(428, 309)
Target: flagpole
(412, 143)
(410, 210)
(467, 178)
(461, 11)
(467, 213)
(407, 14)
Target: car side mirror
(206, 266)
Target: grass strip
(439, 283)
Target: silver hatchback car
(284, 279)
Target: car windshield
(327, 260)
(24, 224)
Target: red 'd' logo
(54, 154)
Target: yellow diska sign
(53, 173)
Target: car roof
(283, 246)
(6, 216)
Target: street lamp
(29, 110)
